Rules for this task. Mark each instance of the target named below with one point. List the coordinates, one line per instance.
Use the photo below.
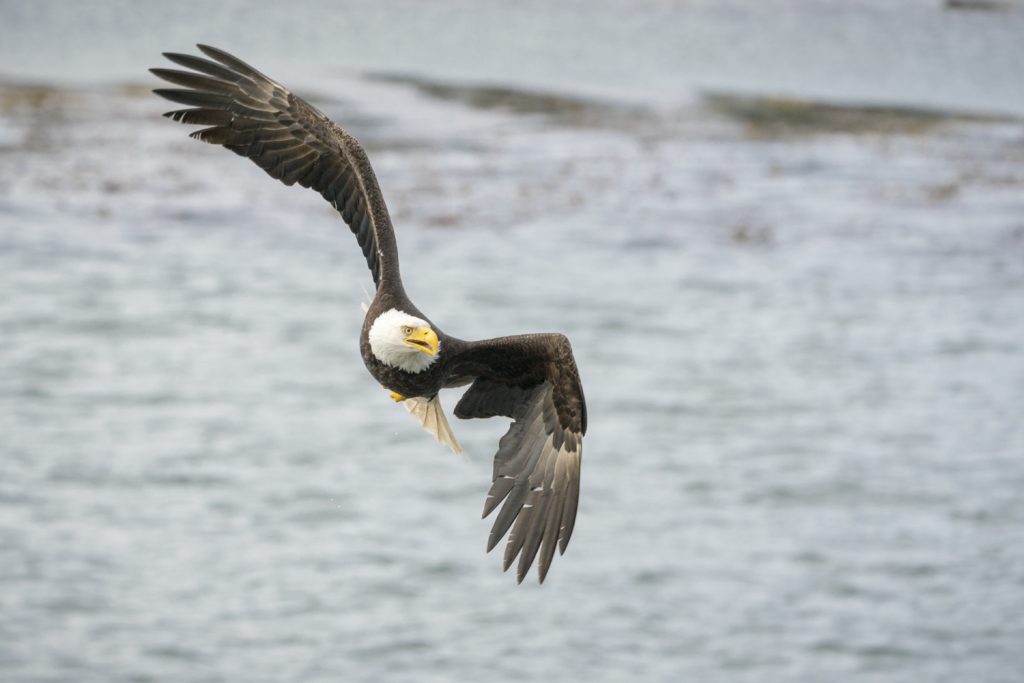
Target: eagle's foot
(396, 397)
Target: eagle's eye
(406, 330)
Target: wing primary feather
(232, 62)
(512, 507)
(197, 82)
(203, 117)
(572, 496)
(203, 66)
(215, 136)
(517, 539)
(499, 489)
(552, 523)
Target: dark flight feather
(256, 117)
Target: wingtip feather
(492, 541)
(511, 552)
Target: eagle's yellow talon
(396, 397)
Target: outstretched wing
(532, 379)
(258, 118)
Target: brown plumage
(530, 378)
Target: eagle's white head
(403, 341)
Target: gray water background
(799, 330)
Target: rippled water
(799, 330)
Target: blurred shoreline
(765, 114)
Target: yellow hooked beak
(423, 339)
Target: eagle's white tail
(430, 414)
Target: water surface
(798, 328)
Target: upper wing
(532, 379)
(257, 117)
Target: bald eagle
(530, 378)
